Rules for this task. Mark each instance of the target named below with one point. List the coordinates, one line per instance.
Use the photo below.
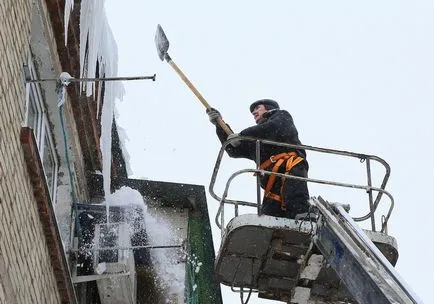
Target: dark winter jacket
(278, 126)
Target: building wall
(44, 55)
(26, 273)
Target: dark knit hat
(268, 103)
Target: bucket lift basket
(277, 257)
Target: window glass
(34, 114)
(36, 118)
(49, 163)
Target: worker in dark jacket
(283, 197)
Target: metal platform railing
(369, 188)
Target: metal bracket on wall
(72, 79)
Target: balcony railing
(363, 158)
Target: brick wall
(26, 273)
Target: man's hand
(214, 115)
(235, 143)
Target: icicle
(123, 138)
(69, 5)
(97, 45)
(106, 139)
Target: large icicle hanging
(123, 138)
(101, 48)
(69, 5)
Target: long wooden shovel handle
(220, 122)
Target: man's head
(259, 107)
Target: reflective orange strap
(272, 178)
(292, 162)
(274, 158)
(275, 197)
(292, 159)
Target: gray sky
(356, 76)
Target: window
(49, 161)
(36, 118)
(34, 111)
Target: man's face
(258, 113)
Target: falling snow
(166, 262)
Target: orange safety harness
(291, 159)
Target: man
(283, 197)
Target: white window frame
(33, 90)
(42, 130)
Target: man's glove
(214, 115)
(235, 143)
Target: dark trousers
(295, 194)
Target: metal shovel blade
(161, 42)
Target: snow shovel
(162, 44)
